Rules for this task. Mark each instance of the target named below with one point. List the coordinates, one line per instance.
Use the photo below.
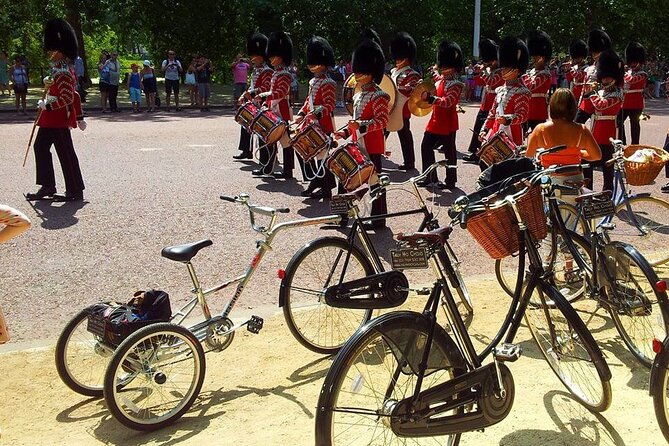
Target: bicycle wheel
(320, 264)
(652, 239)
(659, 389)
(373, 372)
(82, 357)
(462, 291)
(570, 349)
(639, 312)
(167, 365)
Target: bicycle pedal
(508, 352)
(254, 325)
(425, 291)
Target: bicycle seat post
(197, 289)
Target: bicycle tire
(462, 290)
(321, 257)
(634, 299)
(659, 388)
(371, 347)
(136, 405)
(82, 357)
(653, 214)
(573, 347)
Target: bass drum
(351, 88)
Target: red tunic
(370, 109)
(444, 119)
(635, 82)
(278, 95)
(261, 79)
(576, 76)
(323, 95)
(405, 79)
(490, 80)
(61, 112)
(513, 100)
(605, 105)
(538, 82)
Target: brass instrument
(417, 105)
(351, 87)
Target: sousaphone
(351, 88)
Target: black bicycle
(659, 381)
(403, 375)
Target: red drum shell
(246, 114)
(268, 126)
(310, 141)
(350, 166)
(498, 148)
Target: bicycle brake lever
(283, 210)
(230, 199)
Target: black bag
(114, 322)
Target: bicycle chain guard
(384, 290)
(217, 339)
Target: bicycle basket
(643, 173)
(496, 230)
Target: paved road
(154, 180)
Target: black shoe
(243, 156)
(447, 185)
(308, 191)
(283, 175)
(321, 194)
(471, 158)
(44, 193)
(665, 188)
(405, 167)
(260, 172)
(68, 197)
(427, 182)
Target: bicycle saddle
(185, 252)
(420, 239)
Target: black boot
(44, 193)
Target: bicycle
(403, 375)
(323, 275)
(659, 383)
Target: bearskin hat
(59, 36)
(368, 59)
(513, 53)
(598, 41)
(488, 50)
(279, 44)
(539, 44)
(403, 47)
(610, 65)
(256, 45)
(449, 55)
(635, 53)
(578, 49)
(319, 52)
(369, 33)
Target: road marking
(150, 149)
(200, 145)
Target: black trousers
(62, 141)
(406, 143)
(325, 182)
(268, 158)
(582, 117)
(607, 154)
(635, 125)
(475, 144)
(244, 141)
(379, 206)
(80, 89)
(113, 94)
(445, 144)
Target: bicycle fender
(660, 363)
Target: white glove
(82, 125)
(41, 104)
(48, 80)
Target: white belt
(634, 91)
(538, 95)
(604, 117)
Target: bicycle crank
(383, 290)
(219, 335)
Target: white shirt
(171, 69)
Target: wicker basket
(496, 230)
(642, 174)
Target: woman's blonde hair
(562, 105)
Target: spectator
(240, 74)
(294, 83)
(203, 68)
(135, 88)
(191, 83)
(4, 73)
(114, 80)
(15, 223)
(171, 67)
(19, 76)
(339, 76)
(26, 64)
(80, 73)
(147, 78)
(103, 71)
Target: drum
(246, 114)
(498, 148)
(351, 88)
(268, 126)
(310, 141)
(350, 166)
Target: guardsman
(576, 75)
(280, 54)
(319, 106)
(403, 52)
(59, 112)
(512, 100)
(598, 41)
(604, 105)
(443, 124)
(370, 113)
(635, 83)
(490, 77)
(256, 48)
(538, 79)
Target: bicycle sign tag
(598, 209)
(408, 258)
(338, 205)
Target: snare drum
(498, 148)
(268, 126)
(310, 141)
(246, 114)
(350, 166)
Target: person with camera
(240, 73)
(203, 69)
(172, 69)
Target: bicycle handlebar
(384, 181)
(255, 209)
